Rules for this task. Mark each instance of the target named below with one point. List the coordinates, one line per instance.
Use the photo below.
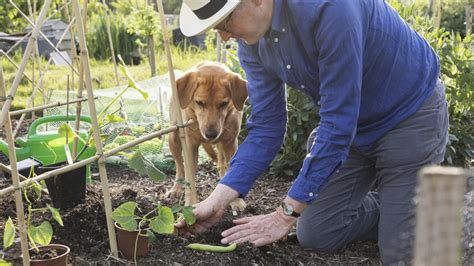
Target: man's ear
(238, 90)
(186, 86)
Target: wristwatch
(288, 210)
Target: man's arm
(266, 124)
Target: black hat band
(209, 9)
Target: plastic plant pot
(126, 242)
(66, 190)
(60, 260)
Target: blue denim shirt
(365, 67)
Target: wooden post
(20, 212)
(190, 195)
(468, 19)
(96, 134)
(218, 47)
(439, 216)
(437, 13)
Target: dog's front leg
(176, 151)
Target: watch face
(287, 209)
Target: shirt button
(318, 103)
(288, 67)
(310, 194)
(275, 40)
(302, 86)
(283, 29)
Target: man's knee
(320, 237)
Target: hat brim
(191, 25)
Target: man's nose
(224, 35)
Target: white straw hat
(198, 16)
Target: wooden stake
(190, 192)
(96, 134)
(439, 216)
(20, 213)
(26, 56)
(20, 112)
(111, 44)
(468, 19)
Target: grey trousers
(346, 210)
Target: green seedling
(37, 235)
(212, 248)
(160, 220)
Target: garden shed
(53, 29)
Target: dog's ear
(238, 90)
(186, 86)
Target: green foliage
(453, 17)
(37, 235)
(302, 119)
(457, 69)
(142, 22)
(145, 167)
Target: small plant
(159, 220)
(37, 235)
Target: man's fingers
(247, 235)
(261, 242)
(234, 230)
(245, 220)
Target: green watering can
(48, 147)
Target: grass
(102, 72)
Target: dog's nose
(211, 133)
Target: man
(383, 117)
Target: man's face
(242, 23)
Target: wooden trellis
(85, 77)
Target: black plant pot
(66, 190)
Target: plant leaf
(189, 215)
(145, 167)
(131, 82)
(41, 234)
(66, 130)
(9, 233)
(124, 215)
(55, 214)
(164, 223)
(113, 118)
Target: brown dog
(213, 97)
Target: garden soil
(85, 230)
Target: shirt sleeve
(266, 124)
(339, 38)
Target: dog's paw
(174, 193)
(238, 205)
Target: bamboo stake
(111, 44)
(20, 112)
(80, 88)
(219, 47)
(44, 36)
(437, 13)
(468, 19)
(17, 67)
(26, 56)
(7, 169)
(190, 192)
(96, 134)
(7, 191)
(20, 213)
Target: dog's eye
(223, 105)
(200, 103)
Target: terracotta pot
(126, 242)
(60, 260)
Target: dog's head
(212, 92)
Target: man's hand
(209, 211)
(260, 230)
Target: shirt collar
(276, 27)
